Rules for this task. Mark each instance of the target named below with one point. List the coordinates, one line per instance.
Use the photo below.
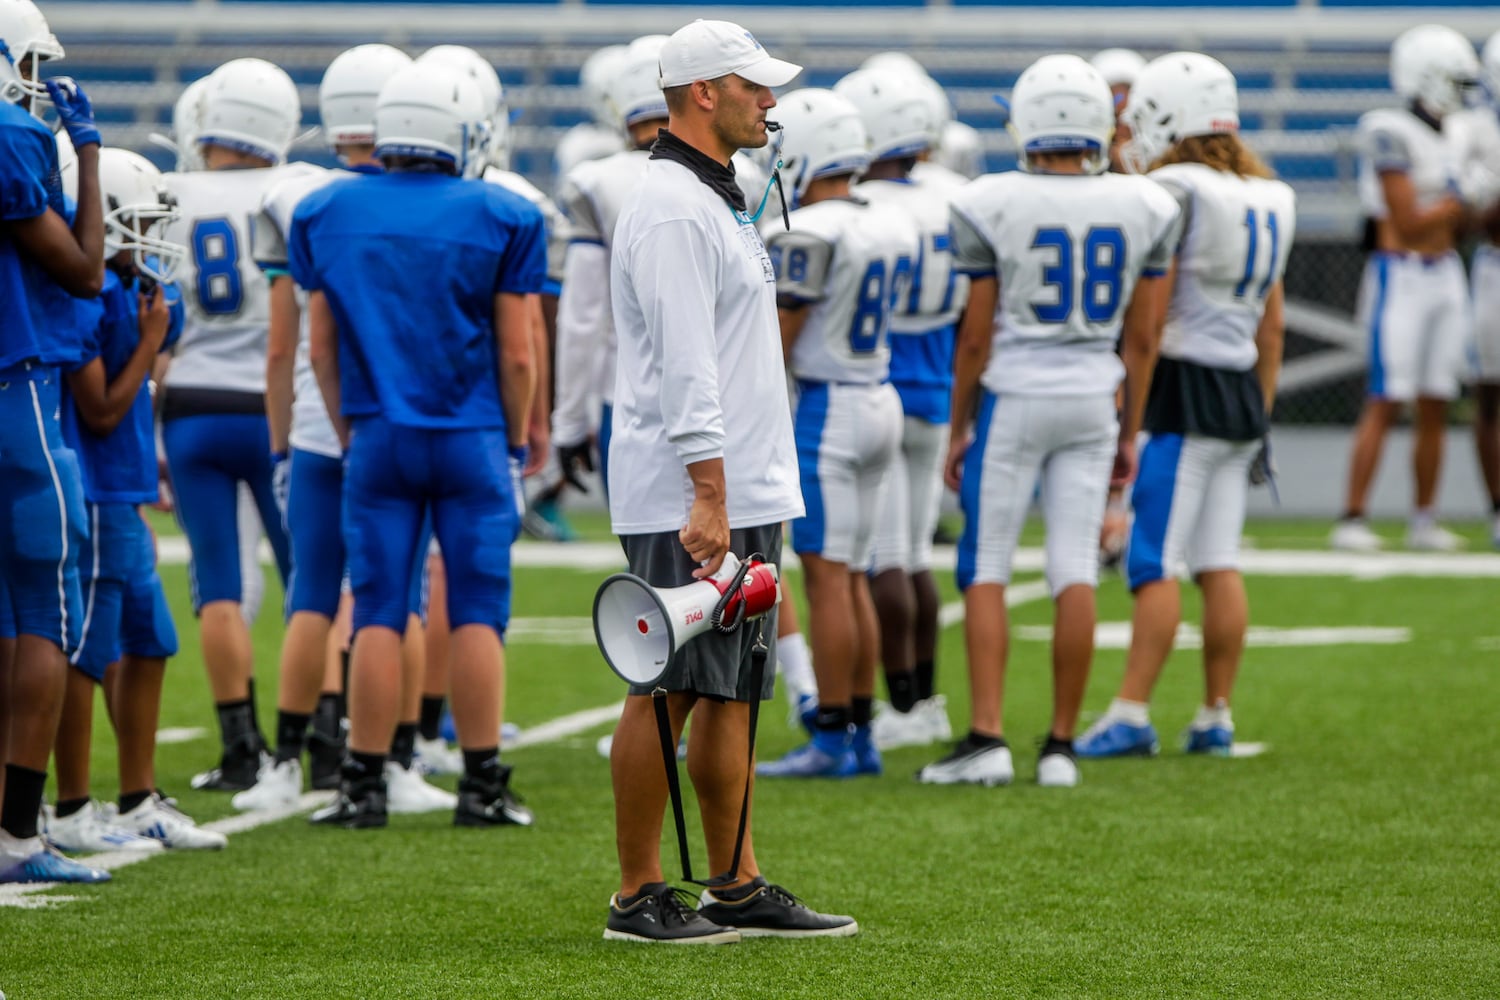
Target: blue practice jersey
(30, 184)
(119, 467)
(411, 264)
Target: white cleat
(1354, 536)
(970, 765)
(278, 786)
(407, 792)
(435, 756)
(90, 830)
(155, 819)
(1432, 538)
(892, 729)
(935, 711)
(1057, 770)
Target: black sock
(236, 723)
(740, 892)
(291, 735)
(903, 691)
(344, 658)
(482, 764)
(861, 711)
(358, 766)
(649, 889)
(980, 741)
(1495, 507)
(328, 717)
(130, 800)
(23, 800)
(833, 717)
(67, 807)
(260, 737)
(1056, 745)
(432, 716)
(1353, 515)
(926, 679)
(404, 744)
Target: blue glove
(516, 461)
(74, 110)
(281, 481)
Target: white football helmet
(1061, 104)
(961, 150)
(136, 203)
(252, 106)
(465, 61)
(582, 142)
(1436, 65)
(894, 62)
(898, 116)
(187, 125)
(1178, 95)
(430, 112)
(825, 136)
(24, 32)
(1490, 59)
(1119, 67)
(593, 79)
(352, 82)
(633, 90)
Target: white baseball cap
(707, 50)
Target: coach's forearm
(708, 481)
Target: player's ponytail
(1222, 151)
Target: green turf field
(1355, 858)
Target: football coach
(702, 462)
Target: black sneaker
(237, 770)
(660, 914)
(359, 805)
(767, 910)
(489, 803)
(325, 755)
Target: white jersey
(1068, 250)
(311, 429)
(223, 344)
(1395, 140)
(582, 143)
(551, 217)
(938, 292)
(936, 175)
(1236, 237)
(849, 261)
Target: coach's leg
(638, 775)
(719, 766)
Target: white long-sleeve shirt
(700, 372)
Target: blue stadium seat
(1303, 167)
(1323, 79)
(1319, 121)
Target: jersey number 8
(879, 293)
(1103, 273)
(216, 258)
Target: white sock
(1136, 713)
(1215, 715)
(1423, 517)
(795, 665)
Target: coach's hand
(1123, 473)
(953, 466)
(706, 536)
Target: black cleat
(768, 910)
(237, 770)
(324, 757)
(660, 914)
(490, 803)
(359, 805)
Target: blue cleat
(44, 865)
(826, 755)
(805, 712)
(1109, 737)
(1215, 740)
(866, 753)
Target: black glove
(572, 457)
(1262, 467)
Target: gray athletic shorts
(713, 665)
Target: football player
(429, 386)
(1211, 394)
(44, 262)
(841, 264)
(308, 458)
(1414, 297)
(1484, 158)
(902, 125)
(127, 632)
(1062, 257)
(592, 140)
(213, 411)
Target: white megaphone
(639, 627)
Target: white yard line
(179, 734)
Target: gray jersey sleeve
(267, 241)
(1387, 149)
(580, 219)
(803, 262)
(972, 251)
